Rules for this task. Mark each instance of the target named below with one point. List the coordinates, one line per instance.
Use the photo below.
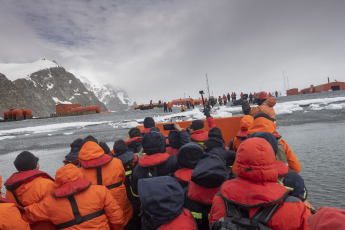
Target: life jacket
(199, 201)
(23, 177)
(4, 200)
(199, 136)
(172, 151)
(133, 141)
(98, 163)
(151, 161)
(183, 221)
(183, 175)
(68, 190)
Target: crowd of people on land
(188, 179)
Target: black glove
(207, 113)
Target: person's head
(67, 173)
(26, 161)
(154, 142)
(262, 96)
(256, 161)
(120, 146)
(189, 155)
(149, 122)
(174, 139)
(196, 125)
(245, 123)
(215, 139)
(105, 147)
(134, 132)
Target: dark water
(316, 138)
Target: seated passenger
(207, 177)
(72, 156)
(255, 187)
(135, 139)
(215, 144)
(148, 124)
(77, 204)
(103, 169)
(177, 138)
(187, 158)
(242, 134)
(155, 161)
(265, 105)
(196, 129)
(29, 185)
(162, 200)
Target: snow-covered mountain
(40, 86)
(114, 99)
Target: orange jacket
(169, 105)
(92, 155)
(89, 199)
(10, 217)
(266, 107)
(262, 124)
(33, 192)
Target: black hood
(189, 155)
(210, 172)
(162, 199)
(154, 142)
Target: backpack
(237, 217)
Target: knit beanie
(105, 147)
(215, 132)
(197, 124)
(120, 146)
(149, 122)
(25, 161)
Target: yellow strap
(129, 172)
(135, 195)
(197, 215)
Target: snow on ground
(13, 71)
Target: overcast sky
(163, 49)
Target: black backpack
(237, 217)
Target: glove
(207, 113)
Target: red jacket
(256, 186)
(201, 135)
(184, 221)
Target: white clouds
(157, 49)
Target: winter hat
(25, 161)
(75, 148)
(174, 139)
(105, 147)
(89, 138)
(120, 146)
(134, 132)
(270, 138)
(215, 132)
(154, 142)
(262, 95)
(197, 124)
(149, 122)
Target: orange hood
(90, 150)
(67, 173)
(270, 101)
(262, 124)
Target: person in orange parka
(29, 186)
(10, 217)
(265, 105)
(103, 169)
(77, 204)
(263, 123)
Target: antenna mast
(284, 81)
(208, 88)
